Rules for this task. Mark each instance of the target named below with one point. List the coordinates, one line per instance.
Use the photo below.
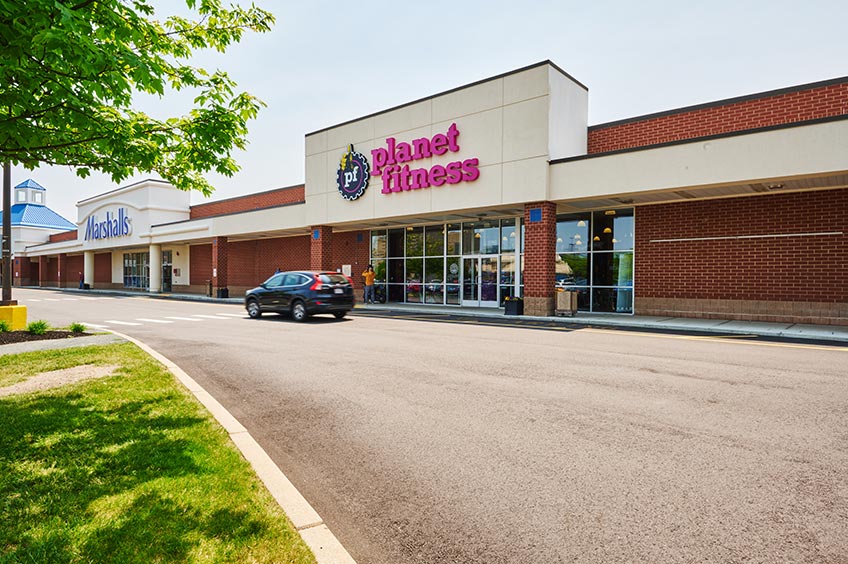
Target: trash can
(222, 293)
(209, 288)
(566, 302)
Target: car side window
(300, 280)
(293, 280)
(275, 281)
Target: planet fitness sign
(115, 225)
(397, 178)
(353, 174)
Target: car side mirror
(263, 285)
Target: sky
(328, 62)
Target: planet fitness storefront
(733, 209)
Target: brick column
(42, 268)
(321, 248)
(220, 253)
(539, 258)
(62, 263)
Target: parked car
(301, 294)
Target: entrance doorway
(480, 281)
(166, 271)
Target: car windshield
(332, 279)
(275, 280)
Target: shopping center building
(732, 209)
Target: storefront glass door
(166, 271)
(480, 281)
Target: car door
(272, 290)
(291, 286)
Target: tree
(68, 73)
(70, 69)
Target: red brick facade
(65, 236)
(539, 258)
(766, 258)
(103, 269)
(789, 107)
(269, 199)
(321, 248)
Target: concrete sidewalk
(722, 326)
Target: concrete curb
(317, 536)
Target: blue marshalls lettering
(114, 225)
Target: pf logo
(353, 175)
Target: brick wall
(65, 236)
(539, 259)
(321, 248)
(74, 264)
(352, 248)
(795, 278)
(103, 269)
(271, 198)
(769, 110)
(200, 264)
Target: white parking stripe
(184, 318)
(152, 320)
(32, 300)
(208, 316)
(96, 326)
(69, 299)
(52, 300)
(234, 314)
(121, 322)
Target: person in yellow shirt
(369, 275)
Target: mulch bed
(9, 337)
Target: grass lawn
(128, 468)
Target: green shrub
(4, 326)
(39, 327)
(77, 328)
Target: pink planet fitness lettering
(399, 177)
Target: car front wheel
(298, 311)
(253, 309)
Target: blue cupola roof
(31, 184)
(34, 215)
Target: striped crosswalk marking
(69, 299)
(152, 320)
(208, 316)
(52, 300)
(183, 318)
(233, 314)
(121, 322)
(96, 326)
(32, 300)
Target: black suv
(301, 293)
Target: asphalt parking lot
(453, 441)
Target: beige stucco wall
(782, 153)
(504, 122)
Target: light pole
(7, 236)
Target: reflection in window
(434, 240)
(414, 241)
(454, 239)
(378, 244)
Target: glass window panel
(396, 242)
(414, 270)
(414, 241)
(379, 270)
(452, 294)
(434, 293)
(572, 233)
(507, 235)
(522, 235)
(507, 274)
(470, 239)
(413, 293)
(434, 270)
(395, 292)
(572, 269)
(380, 293)
(434, 240)
(275, 280)
(454, 239)
(395, 271)
(612, 269)
(612, 300)
(378, 244)
(612, 230)
(452, 270)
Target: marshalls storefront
(733, 209)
